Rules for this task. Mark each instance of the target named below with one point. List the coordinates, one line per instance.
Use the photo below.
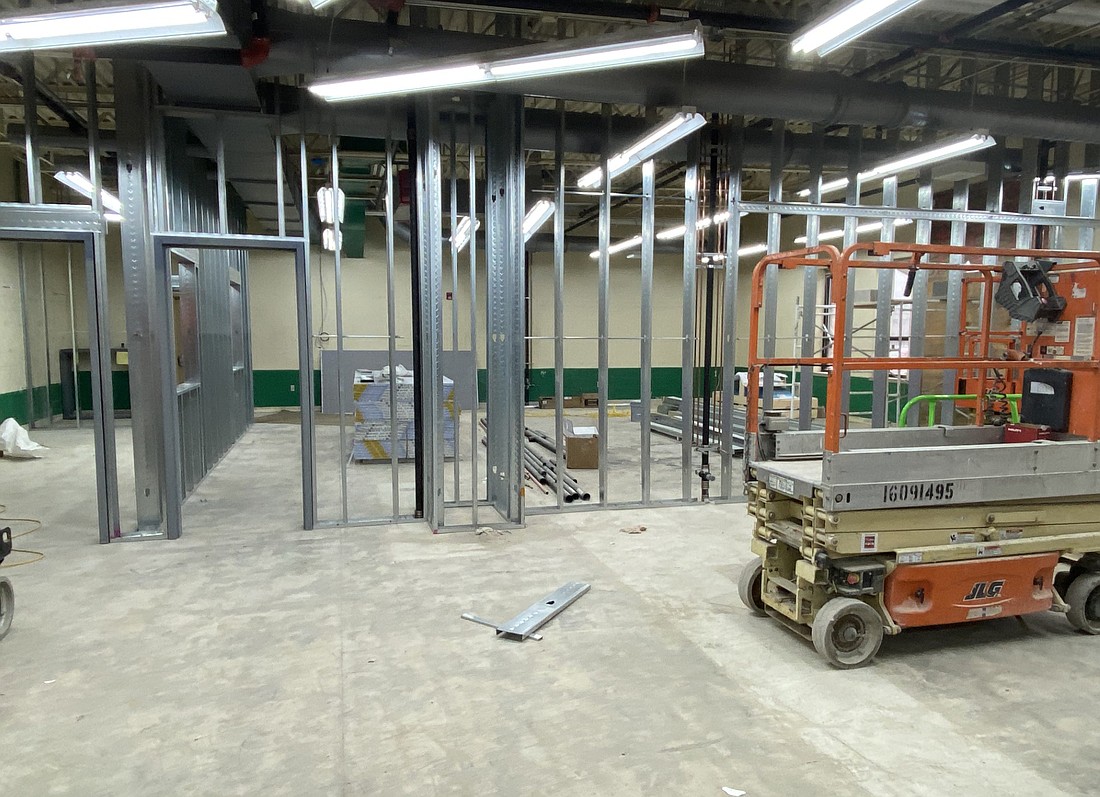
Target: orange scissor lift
(862, 532)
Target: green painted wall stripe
(14, 404)
(279, 388)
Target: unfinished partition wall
(613, 328)
(962, 201)
(214, 381)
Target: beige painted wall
(274, 325)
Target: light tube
(671, 48)
(657, 43)
(827, 188)
(847, 24)
(536, 217)
(330, 240)
(86, 24)
(835, 235)
(676, 128)
(463, 230)
(326, 207)
(672, 233)
(407, 82)
(83, 186)
(1072, 178)
(914, 160)
(621, 246)
(940, 152)
(754, 249)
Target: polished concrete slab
(251, 657)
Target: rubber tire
(1062, 583)
(1083, 598)
(839, 616)
(7, 606)
(749, 586)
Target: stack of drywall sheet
(373, 409)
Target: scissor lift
(862, 532)
(7, 594)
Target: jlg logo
(985, 589)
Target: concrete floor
(253, 658)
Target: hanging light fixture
(676, 128)
(84, 24)
(463, 231)
(330, 240)
(328, 206)
(655, 44)
(537, 216)
(847, 24)
(944, 151)
(83, 186)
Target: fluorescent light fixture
(536, 217)
(621, 246)
(330, 240)
(666, 48)
(1082, 177)
(83, 186)
(672, 233)
(847, 24)
(319, 3)
(828, 188)
(407, 82)
(326, 207)
(463, 230)
(676, 128)
(83, 24)
(636, 241)
(945, 150)
(836, 235)
(654, 44)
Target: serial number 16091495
(924, 491)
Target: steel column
(559, 312)
(919, 298)
(648, 210)
(775, 244)
(884, 295)
(734, 160)
(504, 209)
(852, 197)
(603, 304)
(30, 132)
(132, 103)
(429, 377)
(687, 352)
(809, 286)
(955, 300)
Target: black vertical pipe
(417, 311)
(708, 322)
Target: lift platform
(864, 532)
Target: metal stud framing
(504, 210)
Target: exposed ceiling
(1021, 67)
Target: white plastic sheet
(16, 443)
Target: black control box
(1046, 397)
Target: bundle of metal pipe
(544, 470)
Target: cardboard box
(582, 447)
(1026, 432)
(567, 402)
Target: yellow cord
(38, 555)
